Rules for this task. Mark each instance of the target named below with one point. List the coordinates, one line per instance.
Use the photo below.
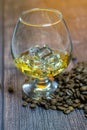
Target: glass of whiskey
(41, 48)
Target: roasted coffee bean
(53, 101)
(77, 94)
(85, 70)
(83, 88)
(77, 100)
(57, 90)
(85, 107)
(67, 79)
(57, 97)
(60, 99)
(69, 92)
(59, 104)
(85, 111)
(73, 90)
(78, 77)
(76, 85)
(61, 108)
(75, 105)
(10, 89)
(42, 103)
(80, 106)
(67, 111)
(80, 84)
(24, 97)
(85, 96)
(35, 101)
(84, 81)
(82, 97)
(69, 102)
(65, 105)
(53, 107)
(76, 81)
(86, 115)
(84, 92)
(24, 104)
(70, 108)
(32, 105)
(28, 100)
(46, 106)
(61, 94)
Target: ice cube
(44, 52)
(34, 49)
(53, 59)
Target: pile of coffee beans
(70, 94)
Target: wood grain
(1, 65)
(15, 116)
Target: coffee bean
(78, 93)
(61, 108)
(32, 105)
(85, 111)
(53, 107)
(61, 94)
(60, 99)
(69, 92)
(75, 105)
(78, 77)
(82, 97)
(42, 103)
(10, 89)
(85, 70)
(72, 89)
(85, 96)
(80, 84)
(59, 104)
(83, 88)
(86, 115)
(84, 92)
(24, 97)
(67, 80)
(70, 108)
(65, 105)
(69, 102)
(57, 90)
(85, 107)
(53, 101)
(67, 111)
(77, 100)
(46, 106)
(80, 106)
(28, 100)
(24, 104)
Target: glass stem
(38, 88)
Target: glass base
(39, 88)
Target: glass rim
(41, 9)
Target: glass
(41, 49)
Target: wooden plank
(19, 118)
(1, 65)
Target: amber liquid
(42, 62)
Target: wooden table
(12, 115)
